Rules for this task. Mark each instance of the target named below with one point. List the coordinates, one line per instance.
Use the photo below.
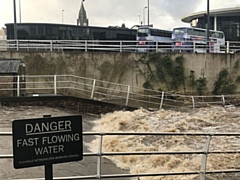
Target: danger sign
(47, 141)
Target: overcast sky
(164, 14)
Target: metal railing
(114, 46)
(37, 85)
(121, 94)
(201, 173)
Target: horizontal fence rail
(126, 95)
(116, 46)
(120, 94)
(202, 172)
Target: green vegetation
(168, 75)
(223, 85)
(163, 70)
(192, 79)
(200, 84)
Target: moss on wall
(158, 71)
(38, 65)
(167, 74)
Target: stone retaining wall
(126, 68)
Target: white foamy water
(208, 120)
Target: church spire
(82, 16)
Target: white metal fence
(37, 85)
(108, 46)
(201, 173)
(121, 94)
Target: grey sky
(164, 14)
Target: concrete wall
(124, 68)
(66, 102)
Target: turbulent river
(212, 119)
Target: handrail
(112, 46)
(202, 172)
(122, 94)
(109, 92)
(138, 175)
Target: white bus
(153, 40)
(189, 39)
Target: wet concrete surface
(86, 167)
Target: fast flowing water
(85, 167)
(212, 119)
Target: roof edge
(189, 18)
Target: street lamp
(139, 19)
(148, 12)
(208, 26)
(62, 15)
(144, 15)
(208, 20)
(20, 11)
(15, 19)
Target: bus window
(142, 32)
(195, 40)
(179, 31)
(153, 40)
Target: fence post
(204, 159)
(194, 46)
(48, 168)
(17, 43)
(161, 104)
(193, 102)
(121, 48)
(93, 88)
(18, 86)
(51, 45)
(227, 46)
(55, 84)
(86, 46)
(128, 92)
(99, 162)
(223, 99)
(156, 46)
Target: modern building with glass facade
(226, 20)
(48, 31)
